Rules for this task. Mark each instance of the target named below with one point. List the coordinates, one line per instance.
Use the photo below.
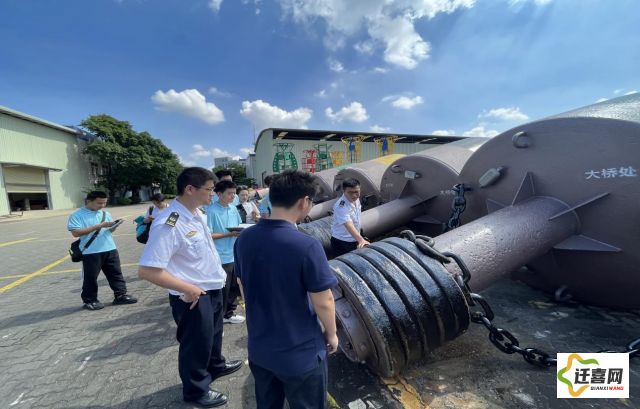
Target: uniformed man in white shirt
(345, 227)
(180, 256)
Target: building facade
(315, 150)
(41, 164)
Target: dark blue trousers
(340, 247)
(200, 337)
(306, 391)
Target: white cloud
(354, 112)
(189, 102)
(264, 115)
(381, 70)
(186, 163)
(631, 92)
(403, 45)
(390, 24)
(480, 131)
(380, 129)
(617, 91)
(365, 47)
(215, 91)
(215, 5)
(536, 2)
(198, 151)
(335, 65)
(443, 132)
(202, 156)
(602, 100)
(321, 94)
(505, 114)
(403, 102)
(221, 153)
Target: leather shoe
(229, 367)
(210, 400)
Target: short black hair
(195, 176)
(268, 180)
(224, 185)
(289, 187)
(350, 183)
(158, 197)
(241, 188)
(224, 172)
(96, 194)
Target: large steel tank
(418, 189)
(556, 194)
(368, 173)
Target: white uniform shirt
(186, 251)
(344, 211)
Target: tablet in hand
(118, 222)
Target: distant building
(316, 150)
(251, 166)
(223, 161)
(41, 164)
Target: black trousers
(109, 263)
(231, 291)
(340, 247)
(306, 391)
(200, 336)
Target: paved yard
(54, 354)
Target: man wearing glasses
(345, 226)
(180, 256)
(287, 283)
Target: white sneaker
(234, 319)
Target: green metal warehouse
(316, 150)
(41, 164)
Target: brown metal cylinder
(588, 158)
(389, 216)
(323, 181)
(368, 173)
(501, 242)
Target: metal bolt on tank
(557, 195)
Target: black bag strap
(150, 210)
(104, 215)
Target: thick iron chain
(501, 338)
(459, 205)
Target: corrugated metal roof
(320, 135)
(20, 115)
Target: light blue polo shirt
(265, 205)
(83, 218)
(236, 199)
(218, 219)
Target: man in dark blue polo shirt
(286, 283)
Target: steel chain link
(501, 338)
(459, 205)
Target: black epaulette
(341, 204)
(172, 219)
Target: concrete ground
(54, 354)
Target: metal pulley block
(395, 304)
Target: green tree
(239, 174)
(130, 159)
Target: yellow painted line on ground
(73, 270)
(10, 243)
(404, 393)
(72, 239)
(332, 402)
(32, 275)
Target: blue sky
(204, 75)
